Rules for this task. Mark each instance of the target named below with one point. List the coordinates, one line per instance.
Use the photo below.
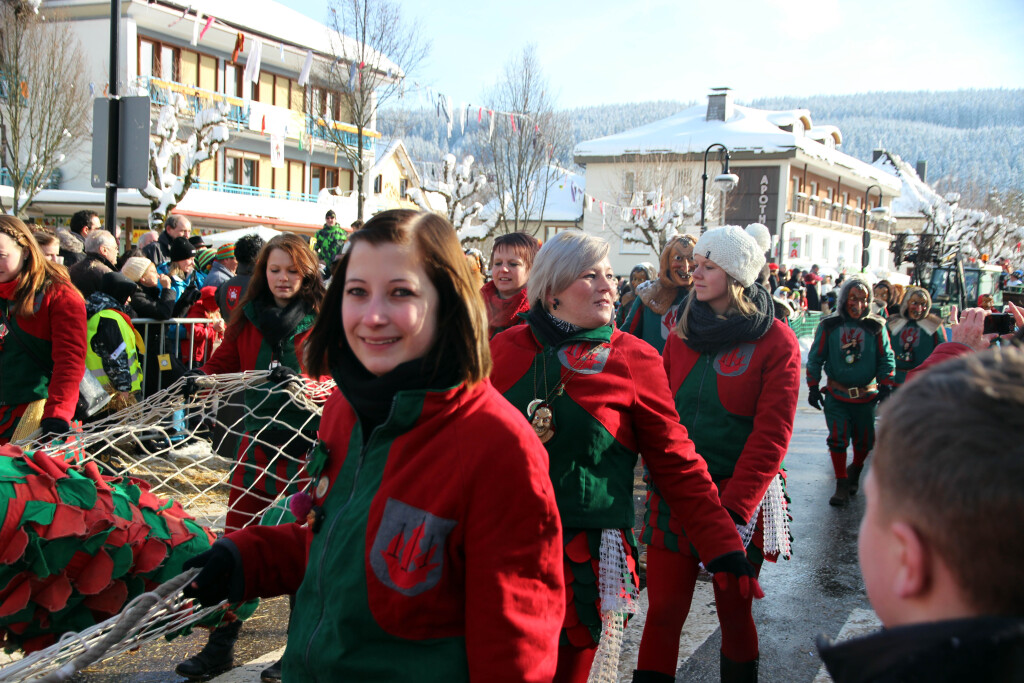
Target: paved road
(819, 591)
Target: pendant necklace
(538, 411)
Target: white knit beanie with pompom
(734, 250)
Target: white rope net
(186, 450)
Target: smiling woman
(659, 302)
(505, 295)
(597, 397)
(430, 555)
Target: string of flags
(624, 212)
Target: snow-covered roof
(747, 130)
(397, 150)
(916, 196)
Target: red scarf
(7, 288)
(503, 313)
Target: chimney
(719, 105)
(922, 170)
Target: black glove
(282, 374)
(52, 427)
(884, 392)
(191, 386)
(733, 571)
(815, 398)
(220, 577)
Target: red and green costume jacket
(854, 353)
(617, 406)
(244, 348)
(912, 342)
(653, 328)
(437, 551)
(55, 333)
(503, 313)
(738, 406)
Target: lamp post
(879, 211)
(724, 182)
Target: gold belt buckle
(854, 392)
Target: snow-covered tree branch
(457, 186)
(165, 188)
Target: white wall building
(167, 48)
(792, 178)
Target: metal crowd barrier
(163, 340)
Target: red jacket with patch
(439, 552)
(624, 396)
(751, 391)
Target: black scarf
(551, 330)
(278, 324)
(372, 396)
(707, 332)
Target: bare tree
(653, 204)
(375, 46)
(523, 149)
(165, 188)
(45, 108)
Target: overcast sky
(608, 51)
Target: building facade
(792, 178)
(279, 166)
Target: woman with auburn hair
(266, 332)
(427, 554)
(659, 302)
(597, 397)
(42, 338)
(505, 295)
(734, 373)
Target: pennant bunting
(209, 23)
(306, 67)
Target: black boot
(652, 677)
(842, 494)
(272, 674)
(739, 672)
(853, 472)
(216, 658)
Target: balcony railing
(52, 184)
(824, 212)
(162, 92)
(234, 188)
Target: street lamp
(878, 213)
(724, 182)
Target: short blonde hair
(560, 261)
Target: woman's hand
(219, 578)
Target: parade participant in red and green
(505, 294)
(428, 554)
(658, 302)
(42, 338)
(266, 332)
(597, 397)
(852, 347)
(735, 373)
(914, 333)
(641, 273)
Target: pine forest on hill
(968, 137)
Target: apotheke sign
(755, 199)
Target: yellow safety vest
(132, 344)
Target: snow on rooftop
(916, 196)
(564, 201)
(748, 130)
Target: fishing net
(97, 525)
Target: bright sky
(608, 51)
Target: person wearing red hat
(773, 276)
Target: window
(323, 177)
(813, 210)
(241, 170)
(795, 201)
(629, 182)
(378, 184)
(824, 249)
(168, 64)
(146, 58)
(828, 204)
(403, 188)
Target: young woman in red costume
(734, 371)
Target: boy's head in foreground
(940, 538)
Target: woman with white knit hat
(734, 371)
